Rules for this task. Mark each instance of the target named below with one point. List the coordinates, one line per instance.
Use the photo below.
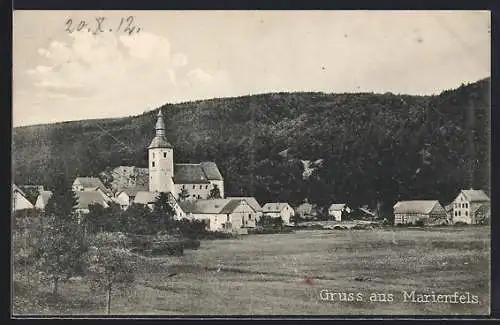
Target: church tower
(161, 160)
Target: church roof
(190, 174)
(211, 170)
(160, 140)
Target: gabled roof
(211, 171)
(132, 191)
(85, 198)
(145, 197)
(416, 206)
(44, 196)
(475, 195)
(337, 207)
(252, 202)
(16, 188)
(274, 207)
(189, 174)
(216, 206)
(90, 182)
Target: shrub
(191, 244)
(419, 223)
(171, 248)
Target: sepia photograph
(211, 163)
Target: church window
(153, 164)
(249, 216)
(164, 155)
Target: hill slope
(375, 147)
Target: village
(196, 192)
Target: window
(152, 164)
(466, 205)
(153, 155)
(194, 187)
(459, 213)
(201, 187)
(164, 155)
(206, 187)
(228, 218)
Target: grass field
(264, 275)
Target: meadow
(284, 274)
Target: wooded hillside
(375, 147)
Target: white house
(19, 200)
(230, 215)
(126, 196)
(279, 209)
(253, 203)
(335, 210)
(87, 198)
(42, 199)
(471, 207)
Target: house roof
(90, 182)
(416, 206)
(85, 198)
(475, 195)
(305, 208)
(252, 202)
(189, 174)
(145, 197)
(274, 207)
(367, 211)
(44, 196)
(132, 191)
(16, 188)
(337, 206)
(216, 206)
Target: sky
(105, 70)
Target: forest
(374, 149)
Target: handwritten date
(101, 25)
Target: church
(165, 176)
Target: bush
(191, 244)
(171, 248)
(419, 223)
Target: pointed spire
(160, 140)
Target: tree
(110, 265)
(184, 194)
(163, 212)
(62, 246)
(296, 218)
(214, 193)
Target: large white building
(165, 176)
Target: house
(253, 203)
(307, 211)
(126, 196)
(229, 215)
(279, 209)
(362, 213)
(19, 200)
(338, 210)
(87, 198)
(426, 211)
(43, 199)
(471, 207)
(148, 199)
